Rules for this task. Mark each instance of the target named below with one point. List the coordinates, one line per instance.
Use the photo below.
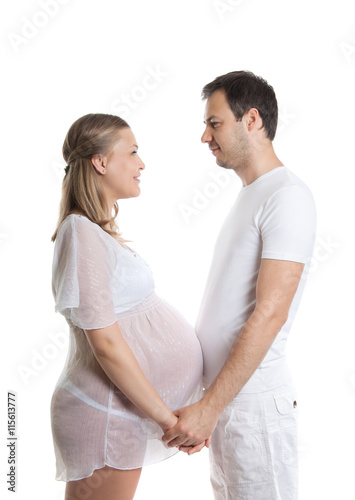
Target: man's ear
(253, 120)
(99, 163)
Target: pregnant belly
(167, 349)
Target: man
(253, 291)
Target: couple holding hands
(140, 383)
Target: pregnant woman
(133, 359)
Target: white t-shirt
(273, 218)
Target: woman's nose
(141, 164)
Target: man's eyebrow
(212, 117)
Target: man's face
(227, 139)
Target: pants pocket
(240, 454)
(286, 405)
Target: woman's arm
(120, 365)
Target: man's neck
(260, 163)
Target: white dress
(96, 282)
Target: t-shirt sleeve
(288, 225)
(82, 274)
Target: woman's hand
(190, 450)
(169, 422)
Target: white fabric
(273, 218)
(96, 282)
(112, 278)
(253, 454)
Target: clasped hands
(193, 429)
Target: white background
(83, 59)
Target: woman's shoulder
(79, 232)
(75, 219)
(76, 226)
(77, 235)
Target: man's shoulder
(285, 177)
(284, 192)
(285, 183)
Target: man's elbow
(274, 317)
(278, 320)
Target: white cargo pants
(253, 454)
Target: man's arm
(276, 287)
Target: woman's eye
(213, 124)
(134, 152)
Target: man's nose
(206, 136)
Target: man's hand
(194, 427)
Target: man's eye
(213, 124)
(134, 152)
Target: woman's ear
(98, 162)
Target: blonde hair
(81, 189)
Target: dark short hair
(244, 91)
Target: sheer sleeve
(82, 275)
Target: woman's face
(123, 168)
